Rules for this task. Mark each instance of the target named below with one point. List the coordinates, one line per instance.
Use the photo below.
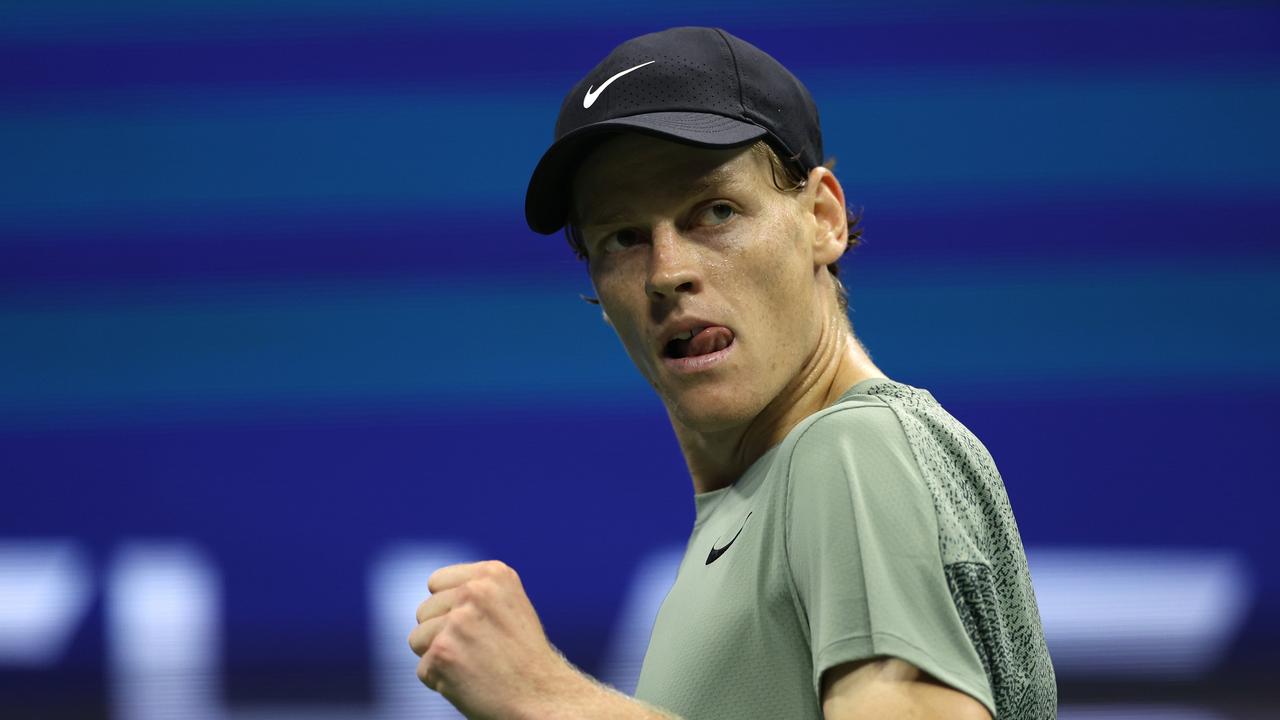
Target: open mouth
(699, 341)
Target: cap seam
(737, 71)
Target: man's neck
(718, 459)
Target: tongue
(710, 340)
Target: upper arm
(862, 544)
(887, 687)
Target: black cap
(696, 85)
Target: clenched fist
(482, 647)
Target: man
(854, 554)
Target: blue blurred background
(275, 341)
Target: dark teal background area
(265, 286)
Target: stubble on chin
(703, 415)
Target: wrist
(563, 692)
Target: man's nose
(673, 265)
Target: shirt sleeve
(863, 549)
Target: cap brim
(546, 203)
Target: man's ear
(830, 217)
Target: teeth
(688, 334)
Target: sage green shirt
(879, 526)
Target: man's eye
(717, 214)
(620, 240)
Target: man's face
(681, 238)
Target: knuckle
(480, 590)
(440, 653)
(509, 575)
(464, 615)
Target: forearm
(582, 697)
(594, 701)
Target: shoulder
(854, 451)
(860, 427)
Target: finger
(421, 637)
(428, 674)
(436, 605)
(452, 576)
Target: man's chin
(707, 412)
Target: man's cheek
(634, 343)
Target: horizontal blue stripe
(78, 18)
(412, 48)
(263, 499)
(482, 243)
(975, 136)
(226, 350)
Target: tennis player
(854, 554)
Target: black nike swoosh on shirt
(716, 552)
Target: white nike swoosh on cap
(590, 98)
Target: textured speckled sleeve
(862, 546)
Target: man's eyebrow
(720, 177)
